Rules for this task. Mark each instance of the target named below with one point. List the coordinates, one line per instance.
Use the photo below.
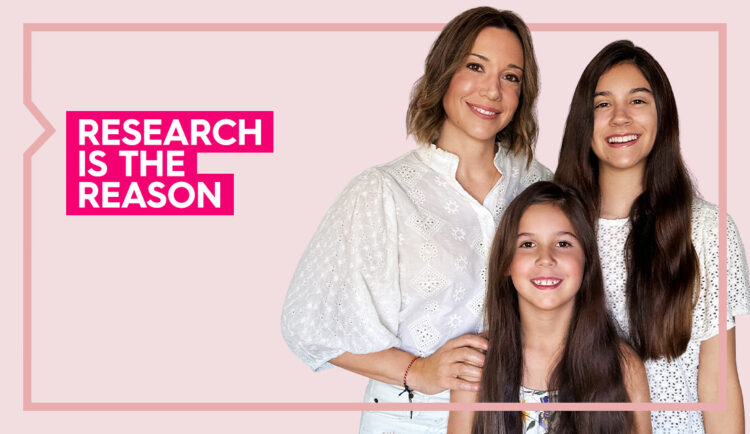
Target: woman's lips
(546, 283)
(484, 112)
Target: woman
(392, 284)
(658, 242)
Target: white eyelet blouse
(677, 381)
(400, 259)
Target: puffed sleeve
(706, 311)
(344, 295)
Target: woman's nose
(491, 88)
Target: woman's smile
(483, 111)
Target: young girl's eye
(564, 244)
(527, 245)
(475, 67)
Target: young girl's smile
(548, 261)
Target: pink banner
(145, 163)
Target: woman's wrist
(409, 376)
(415, 379)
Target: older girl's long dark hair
(661, 261)
(589, 369)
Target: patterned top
(400, 259)
(677, 381)
(535, 422)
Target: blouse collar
(446, 163)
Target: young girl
(550, 337)
(659, 243)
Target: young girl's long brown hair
(589, 368)
(661, 261)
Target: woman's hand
(457, 365)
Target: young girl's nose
(545, 257)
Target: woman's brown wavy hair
(661, 261)
(589, 369)
(425, 115)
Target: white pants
(399, 422)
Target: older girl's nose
(620, 114)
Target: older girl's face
(625, 120)
(484, 92)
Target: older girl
(658, 242)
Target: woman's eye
(526, 245)
(513, 78)
(475, 67)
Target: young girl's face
(548, 263)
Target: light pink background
(186, 308)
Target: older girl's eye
(475, 67)
(638, 101)
(526, 245)
(602, 104)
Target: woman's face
(548, 262)
(483, 94)
(625, 120)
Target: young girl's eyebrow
(530, 234)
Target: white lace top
(400, 259)
(677, 381)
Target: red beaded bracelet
(409, 367)
(410, 392)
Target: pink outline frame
(49, 130)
